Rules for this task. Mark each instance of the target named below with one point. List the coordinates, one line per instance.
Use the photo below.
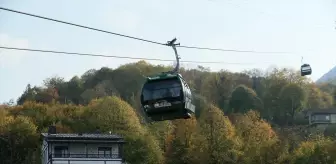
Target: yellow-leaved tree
(217, 141)
(258, 137)
(115, 115)
(180, 141)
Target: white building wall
(333, 118)
(44, 152)
(90, 161)
(80, 148)
(93, 149)
(87, 162)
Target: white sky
(304, 27)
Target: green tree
(74, 89)
(292, 98)
(318, 99)
(273, 85)
(20, 134)
(330, 131)
(328, 100)
(28, 95)
(142, 150)
(243, 99)
(115, 115)
(217, 87)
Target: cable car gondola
(167, 96)
(306, 70)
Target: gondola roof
(164, 76)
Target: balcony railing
(84, 155)
(320, 121)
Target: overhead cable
(136, 38)
(122, 57)
(77, 25)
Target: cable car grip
(173, 45)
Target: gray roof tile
(81, 136)
(317, 111)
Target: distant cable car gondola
(167, 96)
(306, 70)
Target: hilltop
(329, 77)
(127, 80)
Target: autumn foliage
(239, 119)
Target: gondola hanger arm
(173, 45)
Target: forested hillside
(249, 117)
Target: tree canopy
(254, 116)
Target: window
(185, 84)
(61, 151)
(187, 89)
(162, 89)
(306, 68)
(321, 117)
(104, 152)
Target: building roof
(81, 137)
(320, 111)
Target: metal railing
(321, 121)
(83, 155)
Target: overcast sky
(304, 27)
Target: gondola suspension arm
(173, 45)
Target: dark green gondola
(306, 70)
(167, 96)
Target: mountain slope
(328, 77)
